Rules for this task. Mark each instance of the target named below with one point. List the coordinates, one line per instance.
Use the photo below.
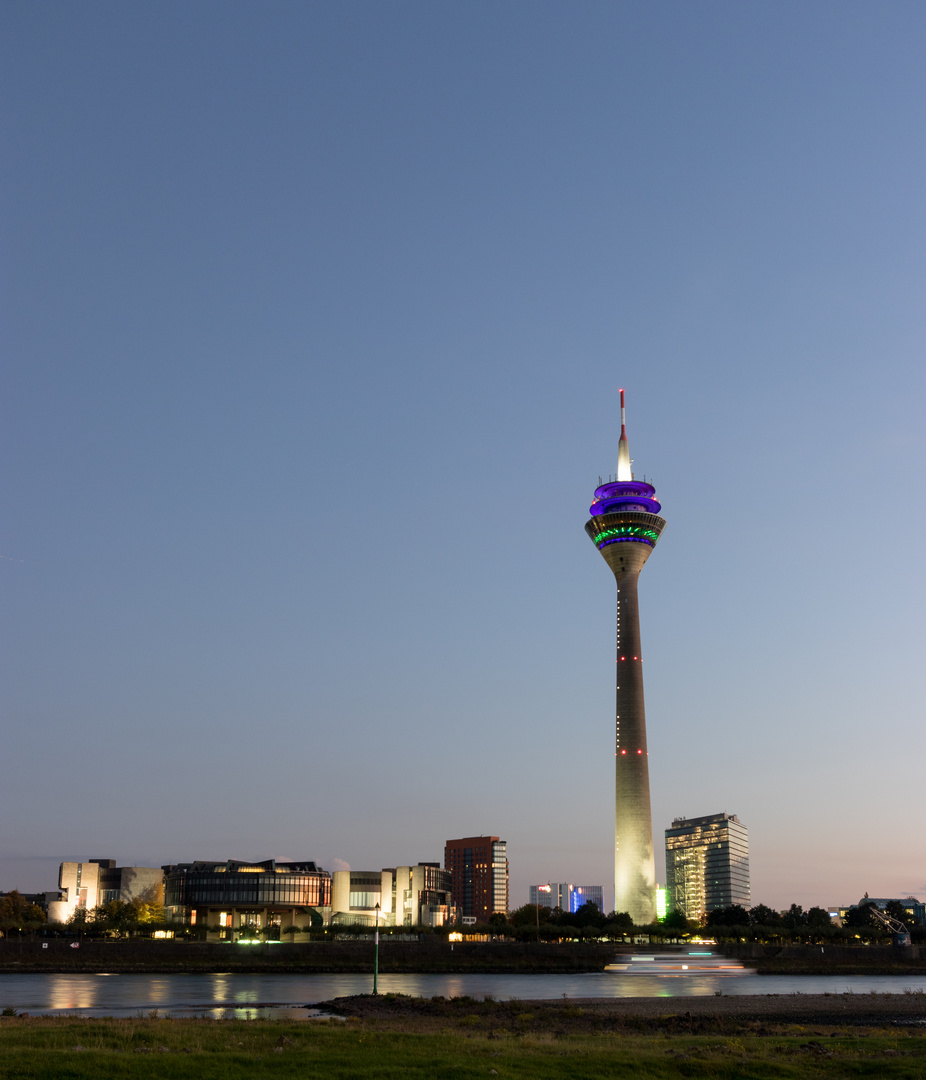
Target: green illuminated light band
(627, 532)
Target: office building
(566, 897)
(245, 900)
(99, 881)
(915, 910)
(625, 526)
(479, 876)
(707, 864)
(418, 895)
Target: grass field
(520, 1040)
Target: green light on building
(662, 903)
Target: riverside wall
(431, 955)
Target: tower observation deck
(625, 526)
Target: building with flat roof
(247, 900)
(479, 876)
(418, 895)
(567, 897)
(915, 909)
(707, 864)
(99, 881)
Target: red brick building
(478, 867)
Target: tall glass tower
(707, 864)
(625, 526)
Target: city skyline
(311, 301)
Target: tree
(676, 920)
(618, 922)
(818, 919)
(589, 914)
(858, 918)
(896, 910)
(149, 905)
(794, 918)
(760, 915)
(734, 915)
(498, 921)
(118, 917)
(79, 919)
(18, 913)
(527, 915)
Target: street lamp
(376, 950)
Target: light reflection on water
(224, 994)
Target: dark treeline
(731, 924)
(145, 917)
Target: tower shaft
(634, 865)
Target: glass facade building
(235, 897)
(707, 864)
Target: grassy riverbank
(410, 1038)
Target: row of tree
(119, 918)
(144, 915)
(758, 923)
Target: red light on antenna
(639, 751)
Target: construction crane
(900, 935)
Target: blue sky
(314, 320)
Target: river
(285, 996)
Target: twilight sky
(314, 320)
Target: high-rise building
(479, 870)
(625, 526)
(707, 864)
(565, 896)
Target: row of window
(255, 890)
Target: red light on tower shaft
(625, 526)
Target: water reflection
(225, 994)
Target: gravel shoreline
(856, 1010)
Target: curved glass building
(241, 898)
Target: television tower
(625, 526)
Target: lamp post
(376, 950)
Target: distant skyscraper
(625, 527)
(566, 897)
(479, 871)
(707, 864)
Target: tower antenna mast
(623, 448)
